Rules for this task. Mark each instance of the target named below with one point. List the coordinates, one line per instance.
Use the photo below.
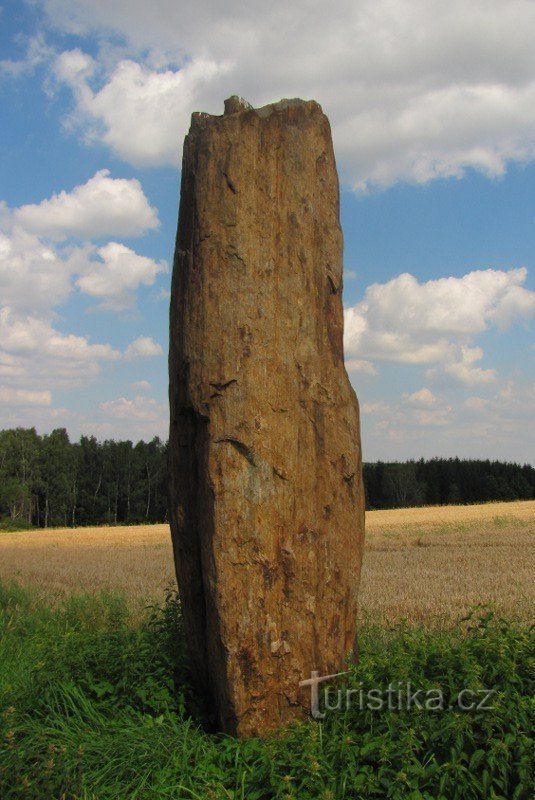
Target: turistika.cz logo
(398, 696)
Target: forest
(47, 480)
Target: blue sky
(432, 107)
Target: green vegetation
(445, 481)
(96, 704)
(48, 481)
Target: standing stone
(266, 497)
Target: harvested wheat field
(421, 564)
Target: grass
(421, 565)
(96, 703)
(95, 692)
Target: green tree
(401, 486)
(19, 465)
(56, 476)
(15, 497)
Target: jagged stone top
(234, 104)
(237, 105)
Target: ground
(96, 698)
(427, 565)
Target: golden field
(421, 564)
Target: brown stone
(266, 497)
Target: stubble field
(96, 697)
(423, 565)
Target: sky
(432, 108)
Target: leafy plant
(96, 704)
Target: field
(421, 564)
(96, 701)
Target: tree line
(50, 481)
(444, 481)
(47, 480)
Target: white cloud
(133, 418)
(24, 397)
(162, 295)
(143, 347)
(118, 274)
(37, 51)
(446, 306)
(438, 416)
(517, 302)
(104, 206)
(32, 350)
(139, 113)
(33, 276)
(360, 365)
(36, 278)
(141, 408)
(464, 371)
(73, 66)
(498, 425)
(475, 403)
(414, 91)
(379, 407)
(434, 322)
(516, 399)
(400, 422)
(423, 397)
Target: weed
(97, 704)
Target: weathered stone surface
(267, 506)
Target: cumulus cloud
(421, 409)
(104, 206)
(448, 306)
(423, 397)
(132, 418)
(37, 51)
(495, 424)
(33, 275)
(38, 274)
(434, 322)
(37, 277)
(379, 407)
(464, 370)
(516, 399)
(117, 275)
(475, 403)
(74, 66)
(33, 350)
(139, 113)
(24, 397)
(414, 91)
(360, 365)
(434, 417)
(142, 347)
(141, 408)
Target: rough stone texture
(266, 497)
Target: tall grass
(95, 704)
